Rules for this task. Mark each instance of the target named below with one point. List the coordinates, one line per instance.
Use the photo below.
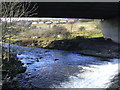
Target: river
(63, 69)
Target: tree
(10, 10)
(71, 21)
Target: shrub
(57, 31)
(11, 67)
(60, 31)
(82, 28)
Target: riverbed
(62, 69)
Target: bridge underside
(91, 10)
(109, 11)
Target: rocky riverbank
(98, 47)
(10, 68)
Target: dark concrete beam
(92, 10)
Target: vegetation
(43, 35)
(10, 64)
(11, 68)
(60, 36)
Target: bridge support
(111, 29)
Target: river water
(63, 69)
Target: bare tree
(10, 10)
(71, 21)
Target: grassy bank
(82, 37)
(86, 42)
(87, 46)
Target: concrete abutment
(111, 29)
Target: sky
(8, 19)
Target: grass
(48, 39)
(74, 35)
(88, 34)
(76, 26)
(19, 39)
(95, 36)
(38, 39)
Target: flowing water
(63, 69)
